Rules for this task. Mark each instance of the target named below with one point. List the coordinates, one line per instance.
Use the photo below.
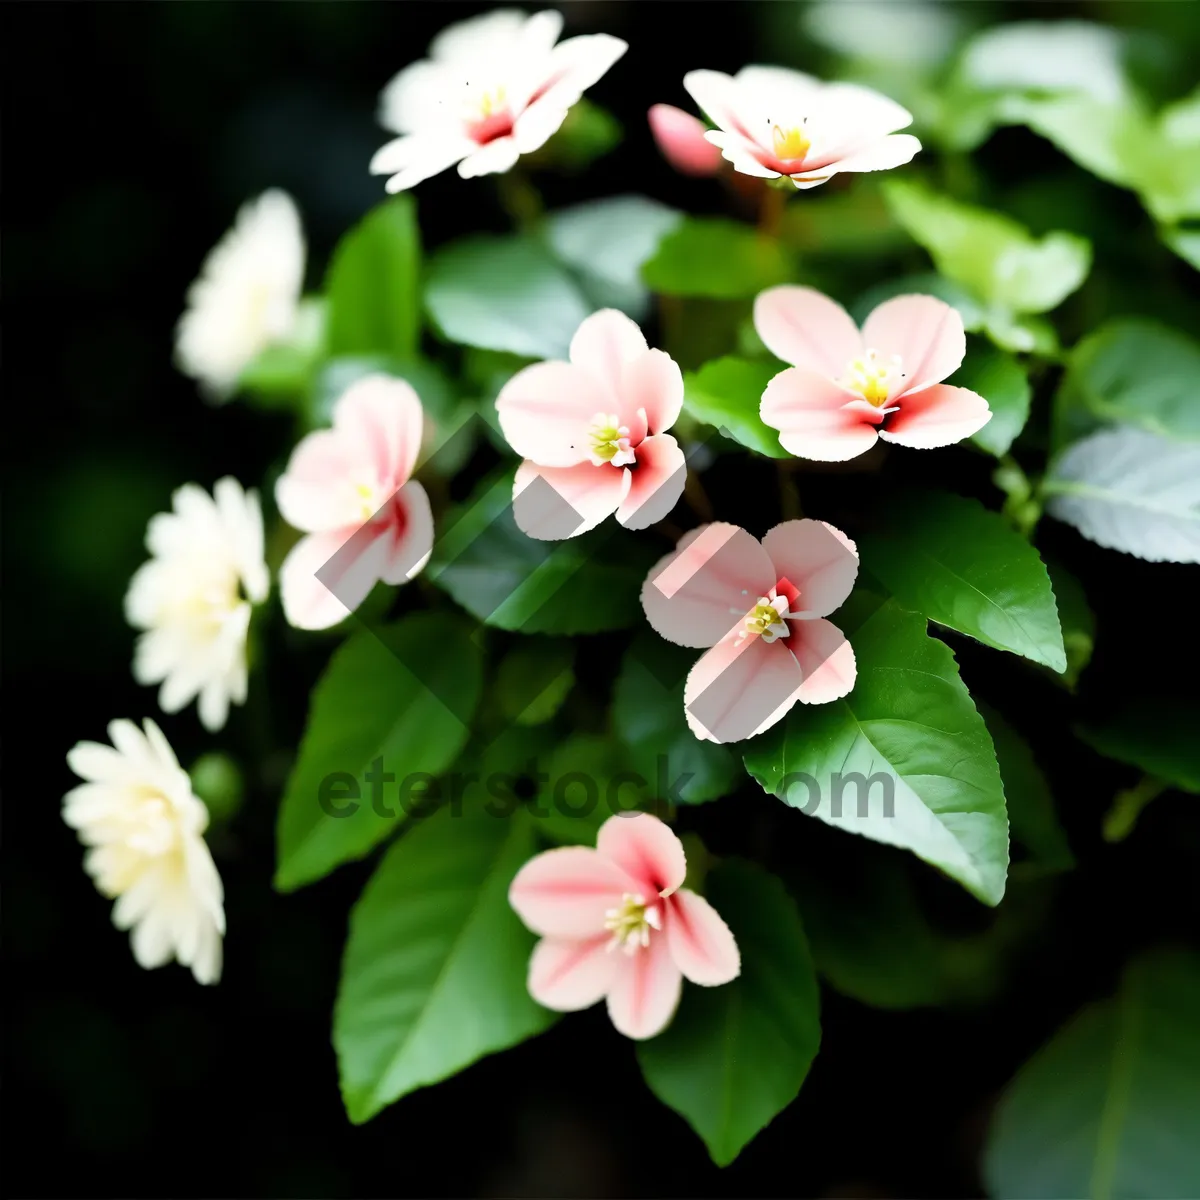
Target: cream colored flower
(144, 829)
(193, 598)
(246, 296)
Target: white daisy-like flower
(144, 829)
(246, 296)
(193, 598)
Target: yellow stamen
(791, 144)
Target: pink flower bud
(680, 137)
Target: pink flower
(681, 139)
(775, 122)
(348, 488)
(615, 923)
(493, 88)
(847, 388)
(592, 433)
(759, 606)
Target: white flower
(144, 828)
(193, 598)
(246, 295)
(493, 88)
(776, 122)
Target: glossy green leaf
(533, 680)
(399, 698)
(1132, 491)
(726, 393)
(999, 379)
(910, 721)
(735, 1056)
(433, 977)
(1108, 1108)
(504, 293)
(587, 584)
(648, 717)
(1077, 619)
(715, 257)
(964, 567)
(372, 286)
(1156, 733)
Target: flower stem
(1127, 807)
(789, 494)
(770, 212)
(519, 198)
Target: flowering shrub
(467, 418)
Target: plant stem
(519, 198)
(770, 212)
(697, 498)
(1127, 807)
(789, 494)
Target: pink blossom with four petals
(349, 489)
(777, 123)
(758, 608)
(617, 924)
(593, 434)
(680, 138)
(493, 88)
(846, 388)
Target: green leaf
(1135, 372)
(1132, 491)
(1078, 621)
(533, 680)
(994, 257)
(433, 977)
(606, 242)
(715, 257)
(504, 293)
(399, 697)
(1032, 819)
(726, 393)
(1109, 1107)
(1184, 241)
(999, 379)
(735, 1056)
(964, 567)
(909, 720)
(587, 584)
(1156, 733)
(372, 284)
(648, 716)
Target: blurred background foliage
(132, 133)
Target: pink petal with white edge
(651, 383)
(577, 63)
(317, 493)
(567, 975)
(716, 94)
(646, 990)
(821, 562)
(545, 411)
(742, 152)
(740, 687)
(826, 658)
(646, 849)
(382, 421)
(816, 418)
(807, 329)
(566, 893)
(938, 416)
(537, 125)
(927, 334)
(892, 151)
(326, 576)
(603, 345)
(553, 503)
(655, 484)
(411, 534)
(695, 595)
(680, 138)
(700, 942)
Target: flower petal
(716, 94)
(656, 484)
(938, 416)
(538, 124)
(576, 64)
(695, 595)
(807, 329)
(740, 687)
(603, 345)
(316, 491)
(568, 975)
(545, 411)
(381, 420)
(744, 153)
(415, 157)
(495, 158)
(826, 658)
(680, 138)
(552, 503)
(652, 383)
(927, 334)
(646, 849)
(326, 576)
(567, 893)
(412, 534)
(821, 562)
(892, 151)
(645, 991)
(700, 942)
(815, 417)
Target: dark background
(131, 134)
